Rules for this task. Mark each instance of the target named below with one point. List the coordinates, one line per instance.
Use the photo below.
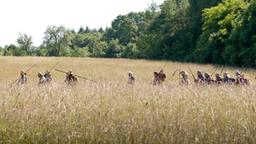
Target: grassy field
(110, 111)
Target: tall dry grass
(110, 111)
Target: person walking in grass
(131, 78)
(48, 76)
(159, 78)
(71, 80)
(156, 79)
(218, 79)
(240, 79)
(227, 79)
(184, 78)
(42, 79)
(23, 78)
(208, 78)
(200, 78)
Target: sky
(33, 16)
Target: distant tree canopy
(205, 31)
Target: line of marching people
(158, 80)
(201, 79)
(46, 78)
(207, 79)
(43, 78)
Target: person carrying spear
(218, 79)
(71, 78)
(159, 78)
(200, 80)
(227, 79)
(208, 79)
(42, 79)
(23, 77)
(48, 75)
(240, 79)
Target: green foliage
(57, 39)
(12, 50)
(114, 49)
(25, 44)
(175, 30)
(130, 51)
(161, 39)
(125, 28)
(42, 51)
(217, 27)
(241, 47)
(97, 49)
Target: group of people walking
(207, 79)
(46, 78)
(158, 80)
(201, 79)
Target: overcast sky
(33, 16)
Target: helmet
(155, 74)
(206, 74)
(39, 74)
(237, 73)
(225, 74)
(22, 72)
(70, 72)
(182, 72)
(130, 73)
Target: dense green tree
(194, 16)
(25, 44)
(241, 47)
(217, 27)
(130, 51)
(12, 50)
(57, 40)
(161, 37)
(81, 30)
(114, 49)
(91, 41)
(83, 40)
(123, 28)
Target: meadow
(112, 112)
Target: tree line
(205, 31)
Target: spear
(214, 71)
(52, 68)
(221, 70)
(244, 69)
(175, 72)
(192, 73)
(76, 75)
